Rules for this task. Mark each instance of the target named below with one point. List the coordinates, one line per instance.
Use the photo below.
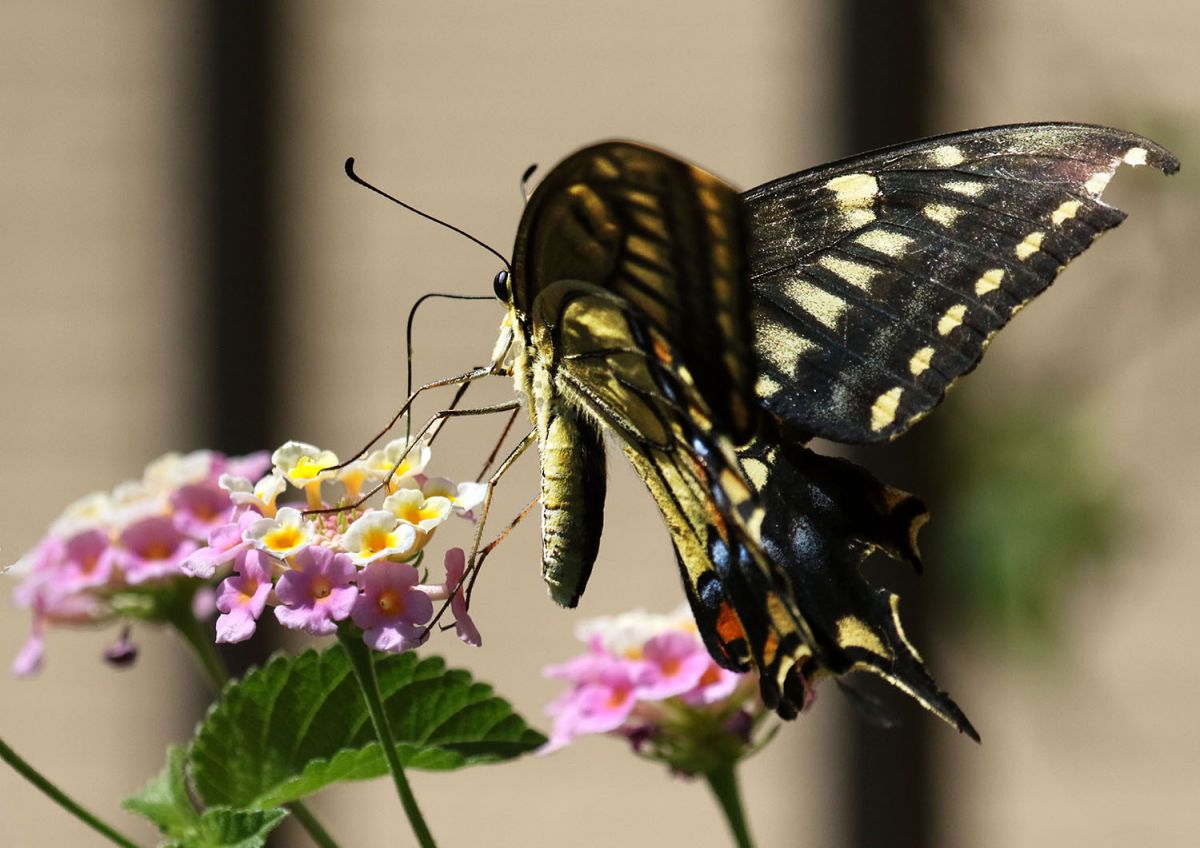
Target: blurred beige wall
(445, 104)
(94, 240)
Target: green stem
(724, 785)
(203, 647)
(59, 797)
(364, 670)
(309, 822)
(205, 651)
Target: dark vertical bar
(238, 176)
(890, 792)
(240, 171)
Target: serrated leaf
(164, 799)
(300, 724)
(221, 827)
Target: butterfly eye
(500, 285)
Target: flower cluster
(203, 518)
(649, 678)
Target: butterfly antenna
(525, 181)
(356, 178)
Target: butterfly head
(501, 288)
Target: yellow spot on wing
(853, 632)
(1065, 211)
(781, 348)
(1098, 182)
(766, 386)
(883, 411)
(967, 188)
(854, 189)
(947, 156)
(941, 213)
(1135, 156)
(886, 242)
(952, 318)
(1031, 245)
(820, 304)
(756, 472)
(854, 195)
(990, 281)
(920, 361)
(894, 600)
(854, 273)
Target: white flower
(304, 465)
(285, 534)
(625, 634)
(407, 457)
(173, 470)
(412, 507)
(464, 497)
(377, 534)
(88, 513)
(261, 494)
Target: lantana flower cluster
(649, 679)
(246, 527)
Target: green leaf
(300, 724)
(221, 827)
(165, 801)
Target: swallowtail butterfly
(714, 333)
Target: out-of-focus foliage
(1034, 509)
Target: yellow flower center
(282, 538)
(377, 540)
(390, 602)
(321, 587)
(618, 697)
(306, 469)
(248, 590)
(158, 551)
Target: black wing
(880, 279)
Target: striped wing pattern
(879, 280)
(666, 237)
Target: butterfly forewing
(665, 236)
(880, 279)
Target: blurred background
(185, 265)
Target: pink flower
(28, 661)
(87, 560)
(317, 592)
(390, 609)
(152, 548)
(598, 706)
(242, 597)
(674, 663)
(200, 508)
(224, 543)
(715, 684)
(251, 466)
(456, 564)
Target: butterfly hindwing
(880, 279)
(605, 359)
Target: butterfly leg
(433, 419)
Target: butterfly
(714, 333)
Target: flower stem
(204, 649)
(364, 670)
(309, 822)
(59, 797)
(724, 785)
